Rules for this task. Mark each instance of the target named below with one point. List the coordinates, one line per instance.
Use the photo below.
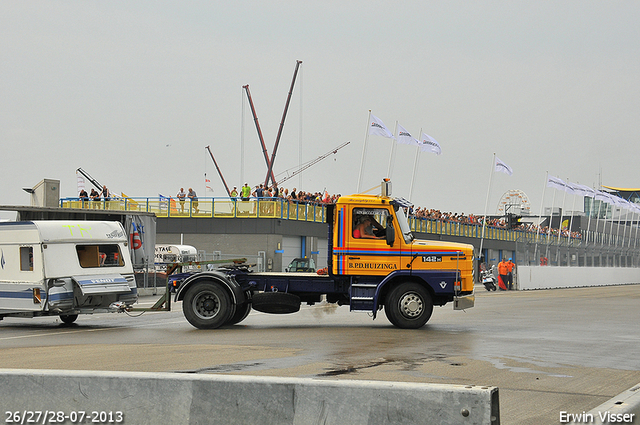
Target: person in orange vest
(510, 266)
(503, 271)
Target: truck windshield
(404, 225)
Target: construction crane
(271, 161)
(219, 172)
(91, 179)
(284, 115)
(312, 163)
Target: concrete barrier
(623, 408)
(539, 277)
(170, 398)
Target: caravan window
(99, 256)
(26, 258)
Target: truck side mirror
(390, 233)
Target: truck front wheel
(408, 306)
(207, 305)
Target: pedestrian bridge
(600, 243)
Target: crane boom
(313, 162)
(219, 172)
(284, 115)
(91, 179)
(264, 147)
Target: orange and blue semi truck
(374, 264)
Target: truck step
(361, 304)
(362, 296)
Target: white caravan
(167, 254)
(64, 268)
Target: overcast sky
(133, 91)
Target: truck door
(367, 250)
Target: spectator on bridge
(84, 197)
(95, 198)
(105, 193)
(194, 199)
(181, 198)
(245, 192)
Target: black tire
(276, 302)
(408, 306)
(242, 311)
(207, 305)
(68, 318)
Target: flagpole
(535, 254)
(597, 219)
(364, 150)
(549, 235)
(393, 145)
(415, 167)
(486, 203)
(633, 213)
(635, 241)
(573, 207)
(624, 233)
(589, 220)
(613, 211)
(564, 197)
(242, 142)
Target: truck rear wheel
(408, 306)
(242, 311)
(207, 305)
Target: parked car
(301, 265)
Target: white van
(64, 268)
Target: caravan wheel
(68, 318)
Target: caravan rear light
(36, 296)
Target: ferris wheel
(514, 201)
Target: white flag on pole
(585, 190)
(428, 143)
(405, 137)
(502, 167)
(575, 189)
(80, 182)
(605, 197)
(556, 183)
(377, 127)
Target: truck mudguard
(227, 282)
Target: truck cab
(373, 247)
(374, 263)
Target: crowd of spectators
(324, 197)
(499, 222)
(294, 195)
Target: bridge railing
(294, 210)
(208, 207)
